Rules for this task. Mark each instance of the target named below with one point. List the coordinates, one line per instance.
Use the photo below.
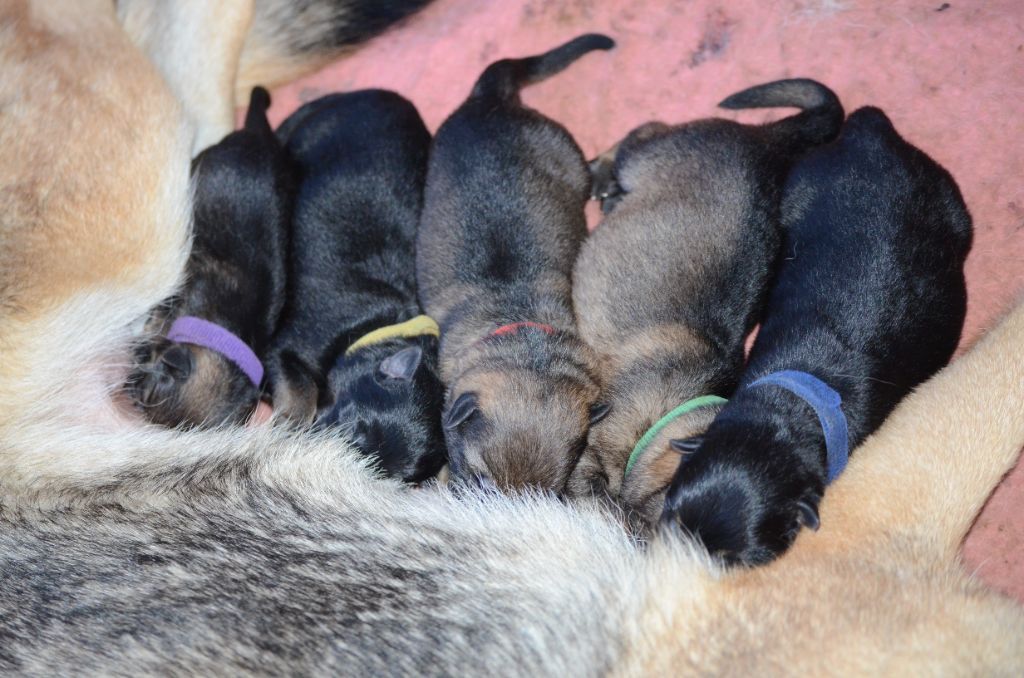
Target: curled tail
(256, 116)
(503, 79)
(820, 119)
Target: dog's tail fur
(503, 79)
(288, 39)
(821, 115)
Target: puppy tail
(288, 39)
(822, 113)
(503, 79)
(256, 116)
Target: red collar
(512, 328)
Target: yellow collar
(418, 326)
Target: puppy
(362, 161)
(672, 281)
(502, 224)
(869, 302)
(205, 368)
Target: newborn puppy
(206, 368)
(869, 302)
(502, 224)
(668, 286)
(352, 345)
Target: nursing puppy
(668, 286)
(870, 299)
(502, 223)
(352, 345)
(205, 369)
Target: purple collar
(191, 330)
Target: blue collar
(827, 405)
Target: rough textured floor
(950, 75)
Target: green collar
(688, 406)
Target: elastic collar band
(191, 330)
(512, 328)
(417, 327)
(827, 404)
(688, 406)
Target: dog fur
(213, 53)
(235, 278)
(518, 405)
(674, 278)
(127, 548)
(870, 298)
(362, 161)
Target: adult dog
(130, 548)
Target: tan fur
(196, 44)
(94, 177)
(878, 589)
(85, 253)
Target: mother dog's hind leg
(926, 473)
(197, 45)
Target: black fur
(870, 298)
(362, 160)
(235, 276)
(397, 419)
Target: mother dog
(129, 549)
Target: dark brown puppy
(502, 224)
(235, 282)
(672, 281)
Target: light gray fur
(238, 572)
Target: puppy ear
(686, 445)
(599, 411)
(807, 514)
(461, 410)
(402, 365)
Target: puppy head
(184, 384)
(389, 397)
(642, 491)
(744, 513)
(638, 397)
(516, 427)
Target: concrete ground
(949, 74)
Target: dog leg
(197, 46)
(939, 455)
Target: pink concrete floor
(950, 75)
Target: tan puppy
(670, 283)
(494, 269)
(316, 565)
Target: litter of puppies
(430, 318)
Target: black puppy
(362, 162)
(869, 302)
(205, 368)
